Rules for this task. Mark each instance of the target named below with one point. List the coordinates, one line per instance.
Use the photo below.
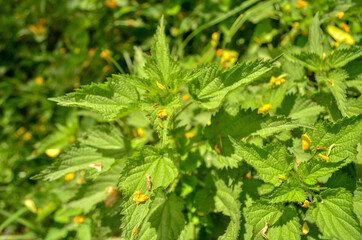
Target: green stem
(13, 217)
(120, 69)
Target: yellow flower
(281, 176)
(264, 108)
(105, 55)
(141, 132)
(287, 7)
(78, 219)
(69, 176)
(91, 52)
(330, 81)
(345, 27)
(215, 36)
(52, 152)
(301, 4)
(162, 114)
(38, 80)
(27, 136)
(228, 58)
(185, 97)
(110, 4)
(106, 68)
(305, 142)
(326, 158)
(305, 228)
(305, 204)
(30, 205)
(296, 24)
(36, 29)
(139, 197)
(159, 85)
(174, 31)
(63, 50)
(323, 56)
(190, 134)
(219, 52)
(340, 15)
(339, 35)
(276, 81)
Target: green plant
(248, 172)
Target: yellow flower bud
(305, 142)
(301, 4)
(265, 108)
(190, 134)
(339, 35)
(30, 205)
(138, 197)
(340, 15)
(326, 158)
(69, 176)
(38, 80)
(162, 114)
(52, 152)
(305, 204)
(185, 97)
(305, 228)
(78, 219)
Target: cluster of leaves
(209, 161)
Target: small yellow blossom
(345, 27)
(264, 108)
(332, 52)
(139, 197)
(174, 31)
(287, 7)
(276, 81)
(141, 132)
(105, 55)
(52, 152)
(63, 50)
(326, 158)
(38, 80)
(228, 58)
(296, 24)
(301, 3)
(37, 29)
(78, 219)
(27, 136)
(215, 36)
(30, 205)
(69, 176)
(305, 142)
(97, 166)
(305, 228)
(190, 134)
(281, 177)
(340, 15)
(305, 204)
(106, 68)
(40, 211)
(162, 114)
(330, 81)
(110, 4)
(323, 56)
(248, 176)
(91, 52)
(208, 123)
(339, 35)
(219, 52)
(159, 85)
(185, 97)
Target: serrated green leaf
(226, 201)
(259, 214)
(309, 60)
(270, 161)
(210, 88)
(345, 134)
(301, 108)
(161, 67)
(315, 168)
(343, 56)
(353, 107)
(288, 193)
(76, 159)
(338, 88)
(334, 215)
(112, 100)
(159, 165)
(94, 192)
(165, 219)
(287, 227)
(315, 37)
(357, 201)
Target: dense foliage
(234, 121)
